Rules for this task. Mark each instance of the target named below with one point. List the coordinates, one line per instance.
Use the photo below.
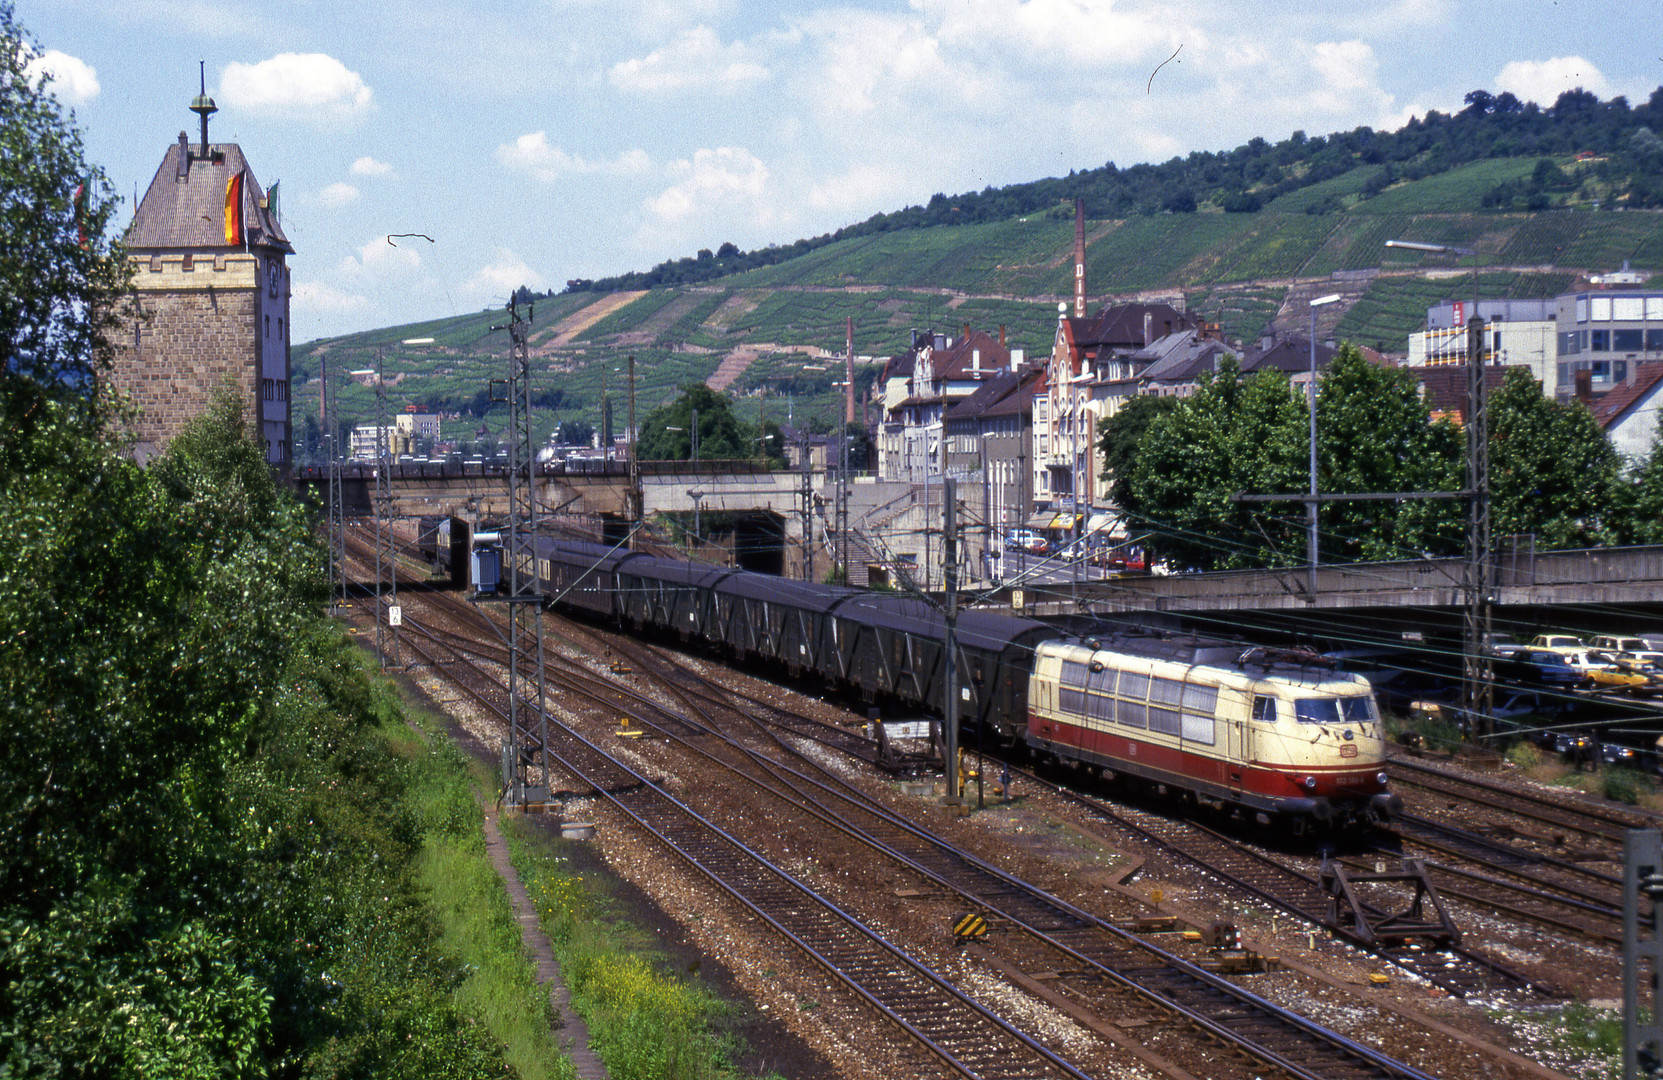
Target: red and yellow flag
(234, 210)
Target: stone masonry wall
(201, 333)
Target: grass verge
(646, 1021)
(468, 898)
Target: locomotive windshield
(1349, 710)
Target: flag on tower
(234, 209)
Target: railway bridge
(1596, 589)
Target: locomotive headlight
(1311, 783)
(1381, 778)
(1346, 735)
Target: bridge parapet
(1632, 575)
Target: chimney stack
(849, 372)
(1079, 258)
(1585, 387)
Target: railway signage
(907, 729)
(395, 616)
(969, 926)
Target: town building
(1629, 413)
(988, 440)
(210, 313)
(943, 370)
(1089, 372)
(1517, 333)
(1607, 333)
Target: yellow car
(1630, 676)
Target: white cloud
(377, 260)
(1542, 81)
(860, 60)
(1093, 33)
(713, 179)
(313, 297)
(299, 85)
(368, 166)
(532, 154)
(859, 188)
(337, 195)
(71, 80)
(696, 59)
(505, 273)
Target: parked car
(1540, 667)
(1588, 661)
(1558, 642)
(1500, 644)
(1626, 647)
(1639, 677)
(1026, 540)
(1617, 754)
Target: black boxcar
(582, 575)
(892, 647)
(759, 615)
(668, 594)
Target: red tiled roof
(1610, 408)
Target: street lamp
(695, 494)
(1477, 681)
(1311, 549)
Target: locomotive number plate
(1348, 750)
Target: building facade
(1089, 371)
(1607, 333)
(1517, 333)
(211, 312)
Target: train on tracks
(1278, 735)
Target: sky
(553, 139)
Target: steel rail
(1190, 992)
(844, 946)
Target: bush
(1624, 785)
(1524, 755)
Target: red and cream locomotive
(1276, 734)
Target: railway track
(1227, 1013)
(958, 1030)
(1458, 970)
(1212, 1009)
(1215, 1006)
(1602, 824)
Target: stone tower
(212, 297)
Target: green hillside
(774, 323)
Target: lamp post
(1312, 553)
(1477, 681)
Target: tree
(575, 433)
(1177, 465)
(1374, 434)
(1644, 497)
(1120, 436)
(60, 278)
(1553, 471)
(1233, 435)
(666, 433)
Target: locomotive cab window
(1264, 709)
(1359, 710)
(1354, 710)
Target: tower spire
(204, 106)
